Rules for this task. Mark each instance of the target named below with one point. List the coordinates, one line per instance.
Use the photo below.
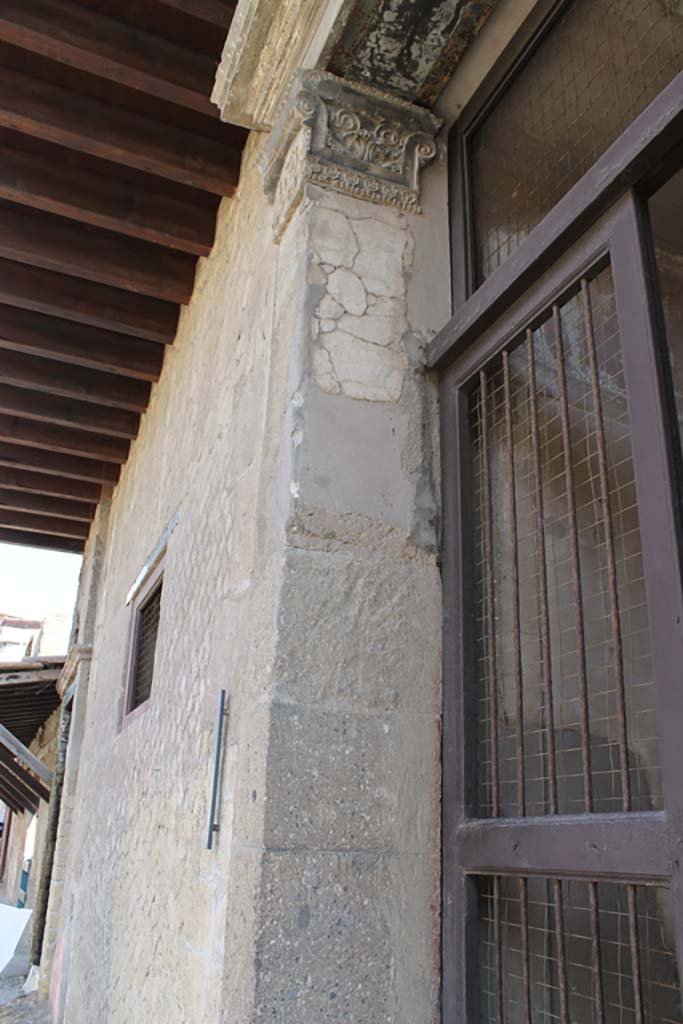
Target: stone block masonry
(292, 440)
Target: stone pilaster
(335, 841)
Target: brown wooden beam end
(23, 501)
(88, 386)
(216, 12)
(87, 303)
(41, 540)
(54, 243)
(67, 412)
(39, 335)
(99, 45)
(105, 201)
(11, 520)
(50, 438)
(14, 456)
(46, 483)
(48, 112)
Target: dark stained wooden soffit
(113, 162)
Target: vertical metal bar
(576, 563)
(213, 825)
(543, 576)
(516, 621)
(498, 939)
(490, 592)
(561, 955)
(524, 925)
(596, 954)
(635, 953)
(609, 547)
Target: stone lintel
(348, 137)
(269, 40)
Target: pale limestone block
(330, 309)
(327, 325)
(348, 290)
(380, 260)
(365, 371)
(380, 330)
(332, 238)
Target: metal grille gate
(563, 574)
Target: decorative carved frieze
(349, 137)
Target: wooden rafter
(54, 338)
(55, 243)
(50, 438)
(67, 412)
(87, 303)
(53, 378)
(105, 201)
(63, 508)
(57, 115)
(113, 164)
(100, 45)
(50, 484)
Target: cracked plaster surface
(360, 260)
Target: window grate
(579, 951)
(597, 68)
(147, 628)
(563, 673)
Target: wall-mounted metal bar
(222, 713)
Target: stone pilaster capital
(347, 137)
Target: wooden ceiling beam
(101, 46)
(88, 386)
(87, 303)
(216, 12)
(17, 769)
(45, 483)
(66, 412)
(54, 243)
(26, 458)
(41, 540)
(48, 112)
(105, 201)
(11, 520)
(63, 508)
(54, 338)
(48, 437)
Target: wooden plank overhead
(26, 702)
(113, 163)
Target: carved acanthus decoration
(348, 137)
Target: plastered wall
(300, 575)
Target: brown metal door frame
(634, 847)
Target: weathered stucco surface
(292, 434)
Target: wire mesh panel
(563, 673)
(145, 647)
(579, 951)
(596, 70)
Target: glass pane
(599, 67)
(597, 922)
(666, 218)
(560, 617)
